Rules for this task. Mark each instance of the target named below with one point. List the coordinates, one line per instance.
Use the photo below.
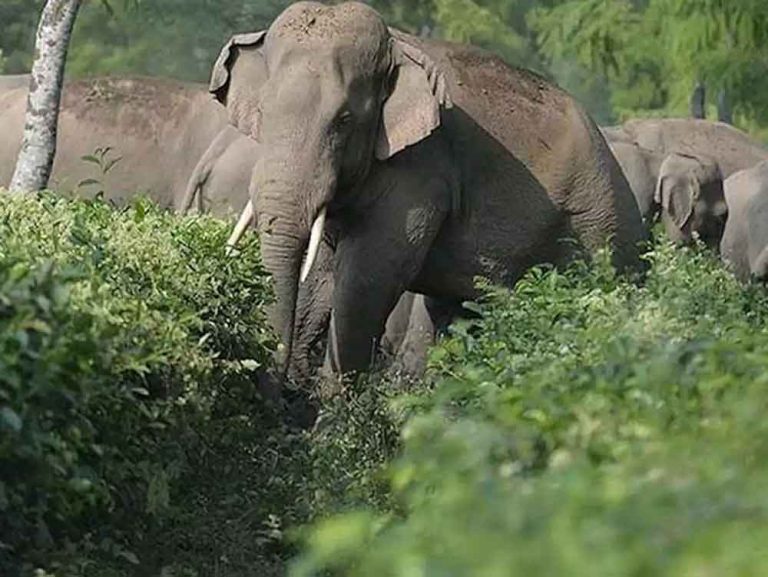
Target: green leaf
(111, 163)
(91, 158)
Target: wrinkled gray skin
(423, 196)
(732, 149)
(641, 168)
(159, 127)
(408, 334)
(219, 183)
(689, 191)
(744, 247)
(412, 328)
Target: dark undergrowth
(135, 435)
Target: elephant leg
(396, 327)
(411, 358)
(377, 258)
(429, 319)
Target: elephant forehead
(351, 24)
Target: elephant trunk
(290, 223)
(281, 252)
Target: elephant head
(327, 91)
(690, 192)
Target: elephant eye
(344, 118)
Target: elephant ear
(238, 75)
(677, 198)
(412, 110)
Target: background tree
(621, 58)
(653, 51)
(38, 146)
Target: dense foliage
(137, 435)
(652, 52)
(128, 346)
(620, 57)
(583, 426)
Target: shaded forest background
(621, 58)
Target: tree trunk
(724, 112)
(697, 102)
(38, 147)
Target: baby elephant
(744, 247)
(689, 193)
(685, 191)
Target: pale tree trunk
(38, 147)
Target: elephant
(684, 191)
(641, 168)
(413, 327)
(408, 333)
(222, 176)
(744, 247)
(220, 184)
(410, 329)
(616, 133)
(157, 127)
(689, 192)
(13, 81)
(434, 163)
(732, 149)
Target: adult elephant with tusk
(433, 162)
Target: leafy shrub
(129, 349)
(583, 426)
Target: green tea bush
(582, 426)
(129, 403)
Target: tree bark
(724, 112)
(697, 102)
(38, 147)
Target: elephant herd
(701, 179)
(384, 173)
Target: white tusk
(315, 237)
(245, 219)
